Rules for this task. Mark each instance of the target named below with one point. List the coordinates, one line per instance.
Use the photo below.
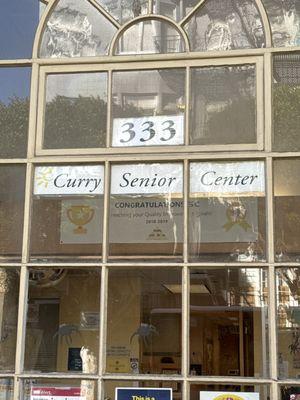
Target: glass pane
(67, 213)
(7, 388)
(146, 211)
(18, 23)
(71, 389)
(148, 107)
(174, 9)
(76, 111)
(14, 111)
(286, 213)
(288, 322)
(125, 10)
(227, 211)
(226, 25)
(110, 387)
(62, 331)
(12, 186)
(149, 37)
(223, 109)
(9, 300)
(228, 322)
(144, 306)
(284, 18)
(290, 392)
(76, 29)
(286, 102)
(230, 391)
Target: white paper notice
(146, 178)
(228, 396)
(229, 179)
(160, 130)
(69, 180)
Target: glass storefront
(149, 170)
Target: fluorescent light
(196, 289)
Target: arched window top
(85, 28)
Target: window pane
(223, 107)
(9, 300)
(290, 392)
(59, 388)
(76, 111)
(18, 23)
(286, 102)
(125, 10)
(286, 213)
(288, 322)
(62, 331)
(148, 107)
(149, 37)
(76, 29)
(12, 185)
(174, 9)
(284, 19)
(67, 213)
(226, 25)
(7, 388)
(14, 111)
(110, 386)
(228, 322)
(144, 306)
(227, 211)
(261, 392)
(146, 211)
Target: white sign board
(148, 131)
(228, 396)
(146, 178)
(227, 179)
(69, 180)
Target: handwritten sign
(148, 131)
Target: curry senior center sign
(228, 396)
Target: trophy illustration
(80, 215)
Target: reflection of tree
(286, 101)
(14, 127)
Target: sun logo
(44, 176)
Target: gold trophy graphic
(80, 215)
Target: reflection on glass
(286, 213)
(286, 102)
(62, 331)
(9, 296)
(144, 307)
(76, 111)
(148, 37)
(67, 213)
(174, 9)
(12, 186)
(18, 24)
(228, 322)
(226, 25)
(125, 10)
(110, 386)
(148, 107)
(227, 211)
(284, 18)
(146, 211)
(290, 392)
(7, 388)
(288, 322)
(59, 388)
(223, 107)
(14, 111)
(262, 391)
(76, 29)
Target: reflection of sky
(14, 82)
(18, 23)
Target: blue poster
(143, 394)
